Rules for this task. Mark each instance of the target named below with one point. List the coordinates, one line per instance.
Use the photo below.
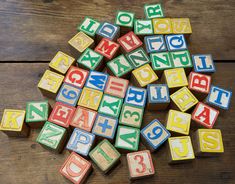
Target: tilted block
(155, 43)
(80, 142)
(76, 168)
(89, 26)
(50, 83)
(203, 63)
(116, 86)
(158, 97)
(140, 164)
(178, 122)
(176, 42)
(125, 19)
(13, 124)
(90, 98)
(143, 27)
(136, 96)
(153, 11)
(131, 115)
(205, 115)
(181, 26)
(138, 57)
(105, 126)
(109, 31)
(154, 135)
(105, 156)
(83, 118)
(183, 99)
(61, 62)
(181, 59)
(181, 149)
(127, 138)
(62, 114)
(161, 61)
(162, 26)
(52, 137)
(97, 80)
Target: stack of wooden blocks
(99, 114)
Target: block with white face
(203, 63)
(153, 11)
(136, 96)
(161, 61)
(143, 27)
(108, 30)
(176, 42)
(158, 93)
(155, 43)
(89, 26)
(138, 58)
(125, 19)
(37, 111)
(199, 82)
(96, 80)
(181, 59)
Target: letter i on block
(12, 123)
(109, 31)
(97, 80)
(136, 96)
(203, 63)
(89, 26)
(125, 20)
(181, 26)
(153, 11)
(154, 135)
(208, 142)
(76, 168)
(105, 156)
(181, 149)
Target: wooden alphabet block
(90, 98)
(80, 142)
(83, 118)
(181, 26)
(76, 168)
(62, 114)
(154, 135)
(105, 126)
(176, 42)
(208, 142)
(219, 98)
(158, 97)
(37, 113)
(50, 83)
(61, 62)
(182, 59)
(153, 11)
(205, 115)
(203, 63)
(89, 26)
(143, 27)
(136, 96)
(155, 43)
(138, 57)
(76, 77)
(52, 137)
(162, 26)
(140, 164)
(181, 149)
(183, 99)
(68, 94)
(131, 115)
(109, 31)
(125, 20)
(97, 80)
(127, 138)
(178, 122)
(116, 86)
(105, 156)
(110, 105)
(12, 123)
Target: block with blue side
(203, 63)
(136, 96)
(155, 43)
(176, 42)
(97, 80)
(108, 30)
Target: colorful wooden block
(205, 115)
(80, 142)
(138, 57)
(125, 19)
(116, 86)
(183, 99)
(181, 26)
(176, 42)
(83, 118)
(129, 42)
(105, 156)
(97, 80)
(154, 135)
(178, 122)
(105, 126)
(219, 98)
(90, 98)
(158, 97)
(161, 61)
(203, 63)
(208, 142)
(127, 138)
(37, 113)
(110, 105)
(12, 123)
(90, 60)
(76, 77)
(131, 115)
(140, 164)
(143, 27)
(162, 26)
(52, 137)
(155, 43)
(136, 96)
(119, 67)
(50, 83)
(181, 149)
(153, 11)
(109, 31)
(107, 48)
(89, 26)
(76, 168)
(62, 114)
(61, 62)
(181, 59)
(144, 75)
(68, 94)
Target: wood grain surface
(23, 161)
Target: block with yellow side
(162, 26)
(13, 124)
(181, 26)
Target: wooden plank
(23, 161)
(41, 28)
